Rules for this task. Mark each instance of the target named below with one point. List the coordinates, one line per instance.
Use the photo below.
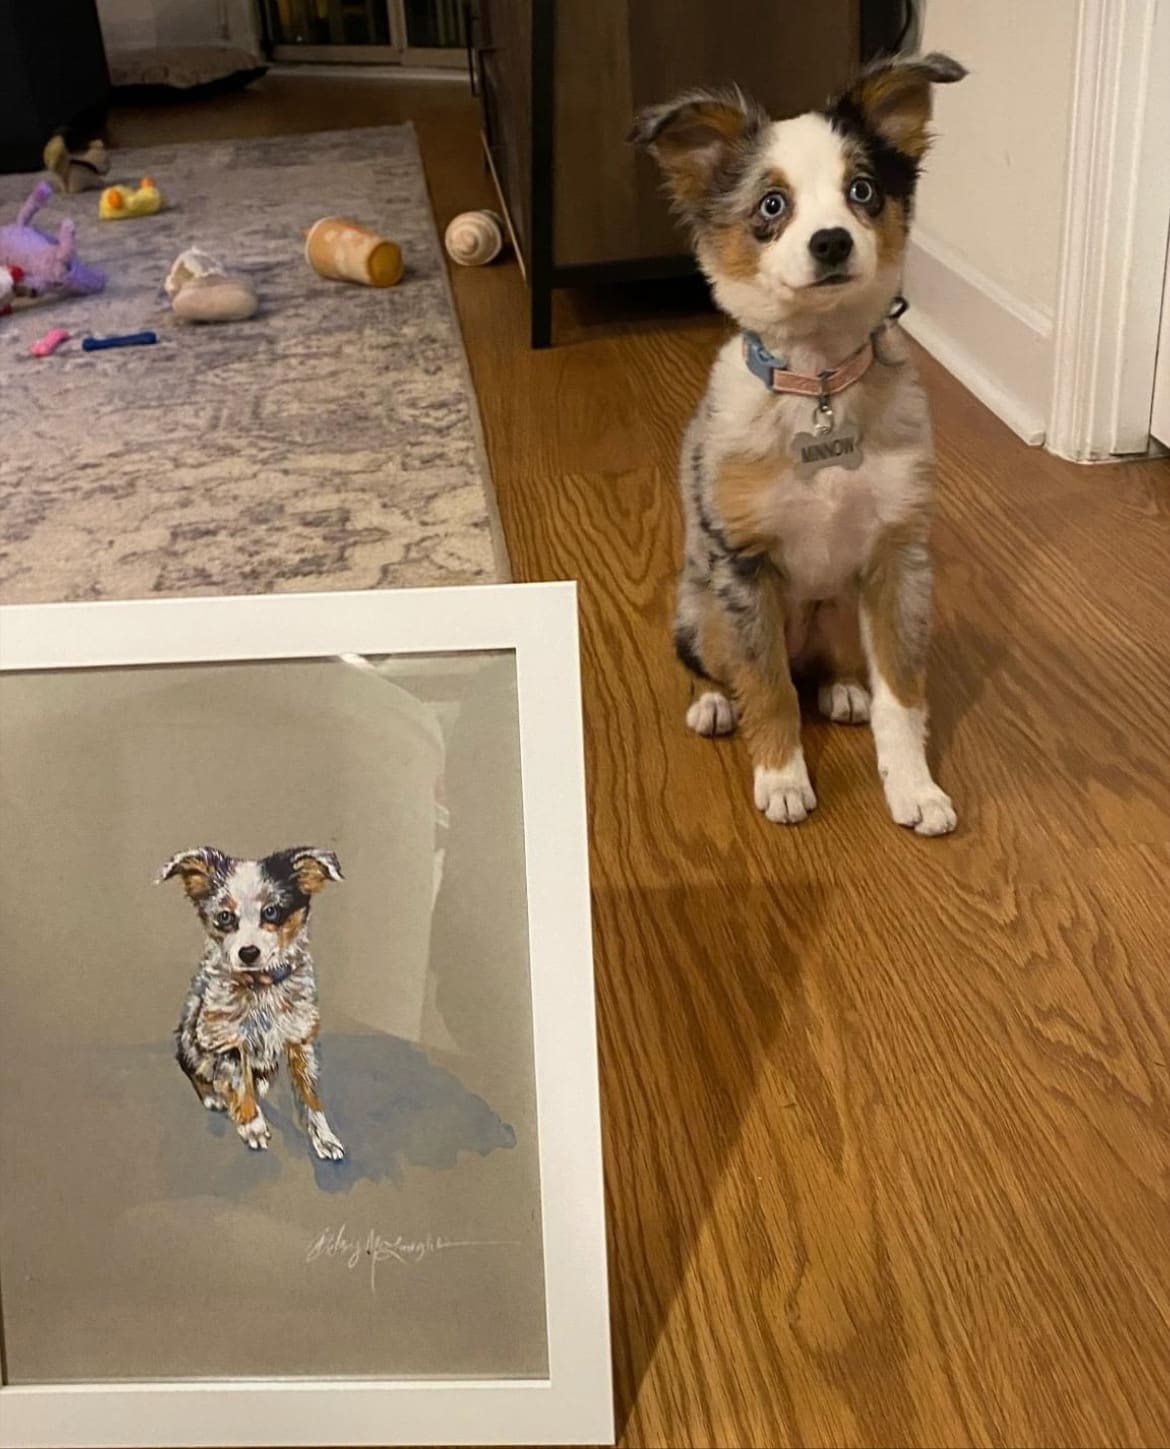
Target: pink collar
(775, 374)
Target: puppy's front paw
(711, 714)
(214, 1103)
(255, 1132)
(925, 809)
(325, 1143)
(844, 703)
(786, 795)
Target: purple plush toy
(48, 264)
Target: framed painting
(299, 1128)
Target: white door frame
(1160, 417)
(1116, 229)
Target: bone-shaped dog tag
(834, 448)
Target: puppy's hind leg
(304, 1070)
(205, 1089)
(696, 643)
(836, 645)
(199, 1069)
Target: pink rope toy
(45, 346)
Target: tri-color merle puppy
(254, 996)
(808, 469)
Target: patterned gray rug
(331, 442)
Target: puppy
(254, 996)
(807, 470)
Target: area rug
(331, 442)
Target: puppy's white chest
(261, 1024)
(823, 527)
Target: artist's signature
(335, 1244)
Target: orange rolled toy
(348, 252)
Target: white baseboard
(998, 347)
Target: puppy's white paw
(711, 714)
(321, 1135)
(214, 1103)
(255, 1132)
(785, 796)
(844, 703)
(926, 809)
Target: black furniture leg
(53, 77)
(540, 294)
(540, 202)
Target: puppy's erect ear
(313, 867)
(892, 97)
(697, 139)
(197, 868)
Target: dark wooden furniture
(560, 81)
(53, 76)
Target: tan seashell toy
(474, 238)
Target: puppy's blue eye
(270, 913)
(862, 191)
(224, 920)
(773, 205)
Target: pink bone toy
(45, 346)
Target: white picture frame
(574, 1405)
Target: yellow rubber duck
(120, 202)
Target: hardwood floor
(887, 1119)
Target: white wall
(204, 22)
(127, 24)
(136, 24)
(995, 182)
(984, 266)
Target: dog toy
(201, 291)
(474, 238)
(130, 339)
(9, 279)
(348, 252)
(45, 346)
(120, 203)
(48, 263)
(73, 171)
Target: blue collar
(759, 360)
(268, 978)
(764, 364)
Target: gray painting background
(138, 1236)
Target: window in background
(435, 24)
(390, 32)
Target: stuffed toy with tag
(49, 264)
(9, 277)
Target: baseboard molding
(346, 70)
(998, 347)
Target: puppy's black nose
(249, 955)
(831, 245)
